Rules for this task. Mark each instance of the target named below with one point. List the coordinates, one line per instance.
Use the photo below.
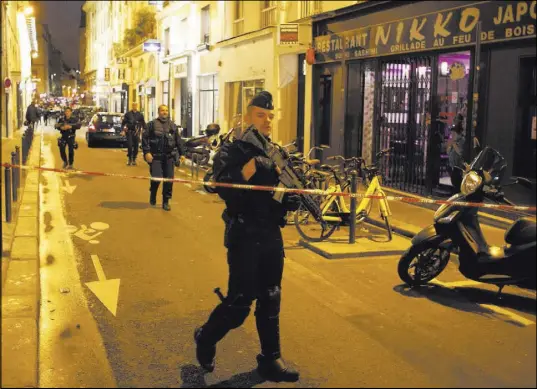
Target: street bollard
(18, 153)
(7, 180)
(354, 189)
(14, 176)
(192, 165)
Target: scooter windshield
(490, 160)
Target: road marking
(68, 188)
(511, 315)
(107, 291)
(456, 284)
(190, 186)
(83, 233)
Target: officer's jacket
(162, 138)
(73, 121)
(256, 206)
(131, 119)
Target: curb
(21, 292)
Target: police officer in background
(134, 121)
(255, 245)
(67, 125)
(163, 148)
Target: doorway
(526, 130)
(300, 101)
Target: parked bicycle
(336, 209)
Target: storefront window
(452, 97)
(208, 100)
(240, 93)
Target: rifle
(287, 175)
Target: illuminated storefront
(403, 72)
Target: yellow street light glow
(34, 54)
(28, 10)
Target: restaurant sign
(500, 21)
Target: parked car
(105, 126)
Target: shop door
(526, 131)
(403, 126)
(300, 101)
(360, 110)
(328, 111)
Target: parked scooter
(457, 227)
(222, 139)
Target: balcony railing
(269, 16)
(309, 8)
(238, 27)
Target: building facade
(19, 41)
(396, 75)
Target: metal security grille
(405, 121)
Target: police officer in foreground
(67, 125)
(163, 148)
(255, 245)
(134, 121)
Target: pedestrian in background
(163, 148)
(133, 123)
(67, 125)
(254, 242)
(32, 114)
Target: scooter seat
(521, 232)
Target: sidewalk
(8, 229)
(20, 279)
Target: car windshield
(490, 160)
(110, 119)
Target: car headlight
(470, 183)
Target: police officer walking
(163, 148)
(255, 245)
(134, 121)
(67, 125)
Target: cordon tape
(318, 192)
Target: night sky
(63, 19)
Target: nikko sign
(500, 21)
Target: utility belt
(63, 141)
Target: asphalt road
(344, 323)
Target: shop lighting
(28, 10)
(34, 54)
(444, 69)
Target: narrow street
(344, 323)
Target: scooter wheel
(426, 261)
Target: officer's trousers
(255, 258)
(132, 144)
(162, 167)
(67, 142)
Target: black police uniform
(133, 120)
(67, 138)
(164, 142)
(255, 253)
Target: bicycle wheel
(309, 228)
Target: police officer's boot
(153, 198)
(166, 205)
(205, 352)
(133, 163)
(65, 164)
(130, 162)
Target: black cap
(262, 100)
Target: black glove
(263, 163)
(292, 201)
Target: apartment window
(208, 100)
(238, 18)
(205, 24)
(167, 41)
(309, 8)
(268, 13)
(165, 92)
(183, 28)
